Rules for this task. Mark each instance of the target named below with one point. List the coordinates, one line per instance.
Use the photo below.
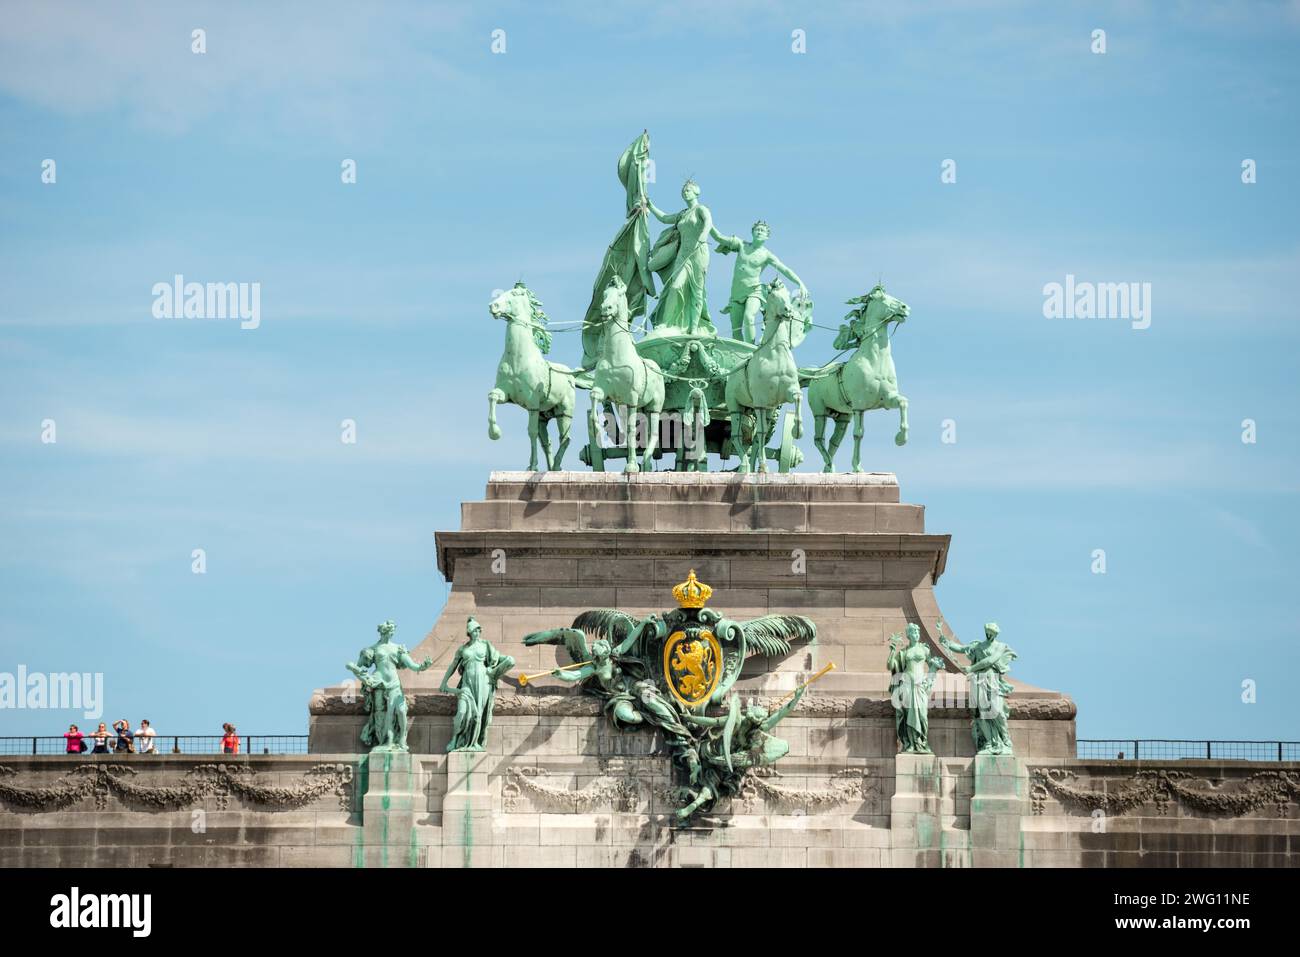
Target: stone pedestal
(998, 804)
(468, 839)
(841, 549)
(558, 787)
(390, 804)
(914, 811)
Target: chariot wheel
(790, 454)
(595, 453)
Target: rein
(853, 348)
(787, 316)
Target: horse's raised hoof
(900, 438)
(494, 431)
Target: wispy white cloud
(960, 272)
(1240, 528)
(325, 64)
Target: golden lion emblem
(690, 659)
(692, 666)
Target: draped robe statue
(990, 660)
(681, 258)
(480, 667)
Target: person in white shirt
(144, 738)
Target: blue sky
(476, 169)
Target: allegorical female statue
(386, 727)
(990, 660)
(913, 669)
(481, 667)
(681, 258)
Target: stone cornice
(331, 702)
(887, 546)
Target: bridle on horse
(839, 373)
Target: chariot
(695, 420)
(682, 388)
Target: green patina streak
(924, 831)
(388, 767)
(359, 844)
(954, 848)
(387, 802)
(469, 837)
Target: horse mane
(541, 335)
(539, 314)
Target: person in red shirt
(75, 744)
(230, 743)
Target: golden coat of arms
(700, 653)
(692, 666)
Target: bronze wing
(608, 623)
(771, 636)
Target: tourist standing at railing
(76, 743)
(124, 741)
(144, 738)
(101, 739)
(230, 743)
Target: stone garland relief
(603, 791)
(1160, 787)
(760, 787)
(218, 780)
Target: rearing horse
(865, 381)
(623, 377)
(527, 379)
(769, 378)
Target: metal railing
(1171, 749)
(163, 743)
(1123, 749)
